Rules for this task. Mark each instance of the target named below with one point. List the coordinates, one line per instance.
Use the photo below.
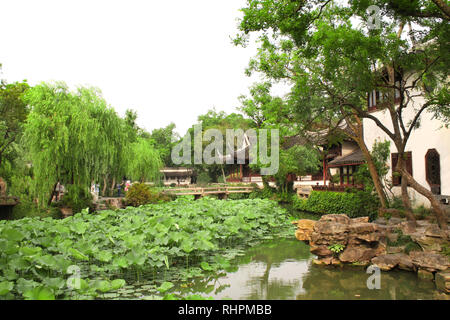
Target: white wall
(431, 134)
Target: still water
(284, 270)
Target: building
(428, 148)
(178, 176)
(339, 163)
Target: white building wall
(431, 134)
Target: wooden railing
(207, 190)
(337, 188)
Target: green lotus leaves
(6, 287)
(39, 293)
(104, 256)
(205, 266)
(78, 255)
(157, 243)
(165, 287)
(12, 234)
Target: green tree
(144, 163)
(332, 60)
(14, 112)
(162, 140)
(73, 138)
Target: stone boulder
(361, 240)
(442, 280)
(429, 261)
(304, 230)
(387, 262)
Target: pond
(283, 269)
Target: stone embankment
(389, 244)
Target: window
(433, 170)
(346, 175)
(396, 179)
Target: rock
(359, 220)
(381, 221)
(339, 218)
(394, 221)
(425, 275)
(363, 227)
(354, 254)
(442, 280)
(387, 262)
(305, 229)
(392, 236)
(330, 227)
(405, 262)
(321, 251)
(435, 232)
(407, 227)
(441, 296)
(429, 261)
(369, 237)
(396, 249)
(323, 261)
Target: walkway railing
(207, 190)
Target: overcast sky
(168, 60)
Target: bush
(203, 179)
(353, 203)
(139, 194)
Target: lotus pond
(185, 249)
(90, 256)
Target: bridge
(198, 192)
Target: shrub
(353, 203)
(139, 194)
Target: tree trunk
(438, 211)
(223, 174)
(105, 183)
(111, 191)
(373, 173)
(355, 132)
(52, 194)
(407, 202)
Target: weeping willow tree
(144, 161)
(73, 138)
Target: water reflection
(284, 270)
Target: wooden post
(240, 169)
(324, 171)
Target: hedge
(353, 203)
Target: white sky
(168, 60)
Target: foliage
(331, 56)
(14, 112)
(144, 162)
(158, 243)
(336, 248)
(352, 203)
(297, 160)
(203, 178)
(162, 139)
(76, 198)
(380, 156)
(83, 137)
(139, 194)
